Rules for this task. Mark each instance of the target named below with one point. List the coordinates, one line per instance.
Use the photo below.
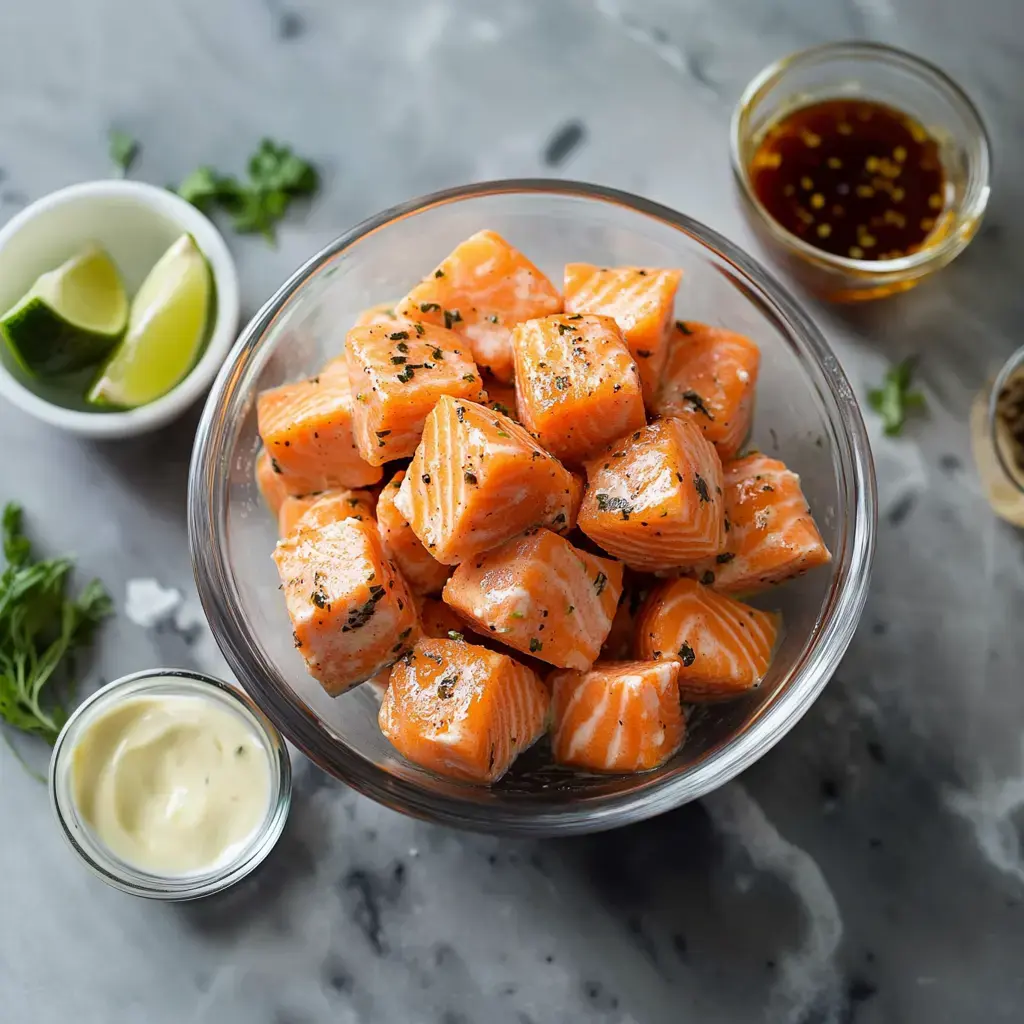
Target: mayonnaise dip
(171, 784)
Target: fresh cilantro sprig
(895, 398)
(124, 150)
(276, 176)
(40, 629)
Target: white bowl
(135, 223)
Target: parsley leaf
(276, 176)
(123, 150)
(894, 399)
(40, 628)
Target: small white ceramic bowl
(135, 223)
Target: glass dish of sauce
(861, 167)
(170, 784)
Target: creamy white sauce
(171, 784)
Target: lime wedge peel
(70, 318)
(167, 328)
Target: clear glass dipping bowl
(126, 877)
(807, 414)
(867, 71)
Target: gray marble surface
(867, 870)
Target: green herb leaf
(894, 399)
(40, 628)
(123, 151)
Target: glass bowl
(868, 71)
(807, 414)
(98, 858)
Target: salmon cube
(352, 612)
(319, 509)
(618, 716)
(424, 574)
(770, 533)
(478, 479)
(307, 430)
(540, 595)
(269, 480)
(397, 373)
(577, 387)
(724, 647)
(481, 291)
(437, 620)
(710, 377)
(619, 644)
(463, 711)
(640, 299)
(654, 498)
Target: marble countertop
(867, 870)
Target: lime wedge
(166, 330)
(70, 318)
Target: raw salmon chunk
(770, 533)
(352, 612)
(723, 645)
(270, 483)
(710, 377)
(641, 300)
(478, 479)
(540, 595)
(398, 372)
(463, 711)
(320, 509)
(424, 574)
(577, 387)
(481, 291)
(654, 498)
(617, 717)
(307, 430)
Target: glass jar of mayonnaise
(170, 784)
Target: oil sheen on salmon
(171, 784)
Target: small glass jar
(124, 876)
(997, 447)
(867, 71)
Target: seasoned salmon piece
(481, 291)
(320, 509)
(270, 483)
(463, 711)
(641, 300)
(540, 595)
(577, 387)
(619, 644)
(654, 498)
(618, 716)
(307, 430)
(770, 533)
(437, 620)
(723, 645)
(352, 612)
(710, 377)
(397, 373)
(382, 313)
(478, 479)
(424, 574)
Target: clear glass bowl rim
(975, 201)
(187, 887)
(856, 512)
